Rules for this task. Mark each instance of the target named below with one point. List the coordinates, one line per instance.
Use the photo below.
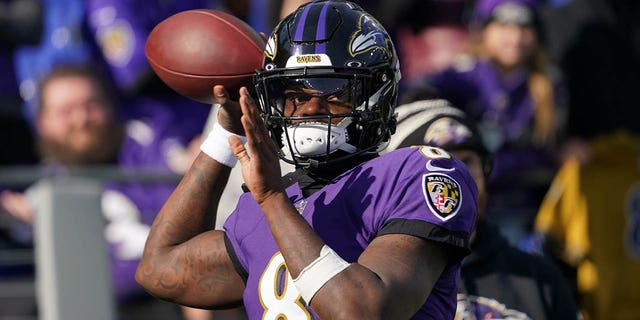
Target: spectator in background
(498, 280)
(78, 124)
(589, 221)
(507, 86)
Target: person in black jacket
(498, 280)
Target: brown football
(193, 50)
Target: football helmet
(337, 50)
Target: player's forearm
(301, 246)
(191, 208)
(188, 212)
(390, 280)
(298, 242)
(183, 275)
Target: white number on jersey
(278, 296)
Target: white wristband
(216, 145)
(319, 272)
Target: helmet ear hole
(382, 78)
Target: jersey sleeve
(433, 197)
(234, 239)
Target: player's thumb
(239, 150)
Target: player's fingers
(238, 149)
(249, 119)
(248, 101)
(17, 205)
(258, 137)
(258, 144)
(246, 107)
(253, 112)
(254, 139)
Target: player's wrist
(229, 117)
(217, 147)
(319, 272)
(276, 198)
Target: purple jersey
(421, 191)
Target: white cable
(216, 145)
(319, 272)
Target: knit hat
(520, 12)
(437, 123)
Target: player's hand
(17, 205)
(229, 113)
(260, 162)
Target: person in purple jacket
(506, 84)
(349, 234)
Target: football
(193, 50)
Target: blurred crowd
(548, 88)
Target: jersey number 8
(278, 296)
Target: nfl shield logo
(300, 205)
(442, 194)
